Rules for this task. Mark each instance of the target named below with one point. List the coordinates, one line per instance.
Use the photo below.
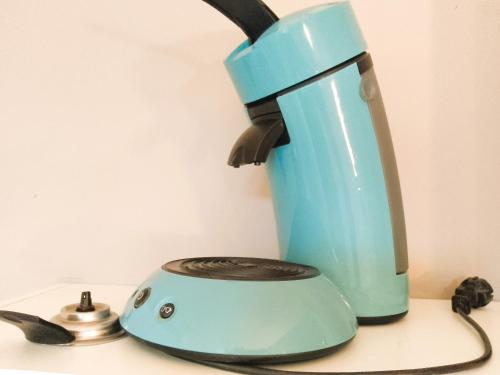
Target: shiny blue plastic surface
(242, 317)
(330, 196)
(295, 49)
(331, 204)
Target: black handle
(252, 16)
(38, 330)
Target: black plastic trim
(263, 108)
(365, 63)
(241, 269)
(268, 109)
(380, 320)
(255, 144)
(244, 359)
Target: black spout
(252, 16)
(268, 131)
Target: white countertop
(430, 335)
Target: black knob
(85, 303)
(142, 297)
(167, 310)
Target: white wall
(116, 119)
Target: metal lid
(90, 323)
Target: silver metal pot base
(91, 324)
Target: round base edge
(380, 320)
(245, 359)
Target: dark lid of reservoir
(243, 269)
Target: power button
(142, 297)
(167, 310)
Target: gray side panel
(370, 91)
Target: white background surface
(430, 335)
(117, 117)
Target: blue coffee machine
(320, 126)
(318, 123)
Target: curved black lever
(252, 16)
(38, 330)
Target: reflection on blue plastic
(330, 196)
(295, 49)
(242, 317)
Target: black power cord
(472, 293)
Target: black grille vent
(245, 269)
